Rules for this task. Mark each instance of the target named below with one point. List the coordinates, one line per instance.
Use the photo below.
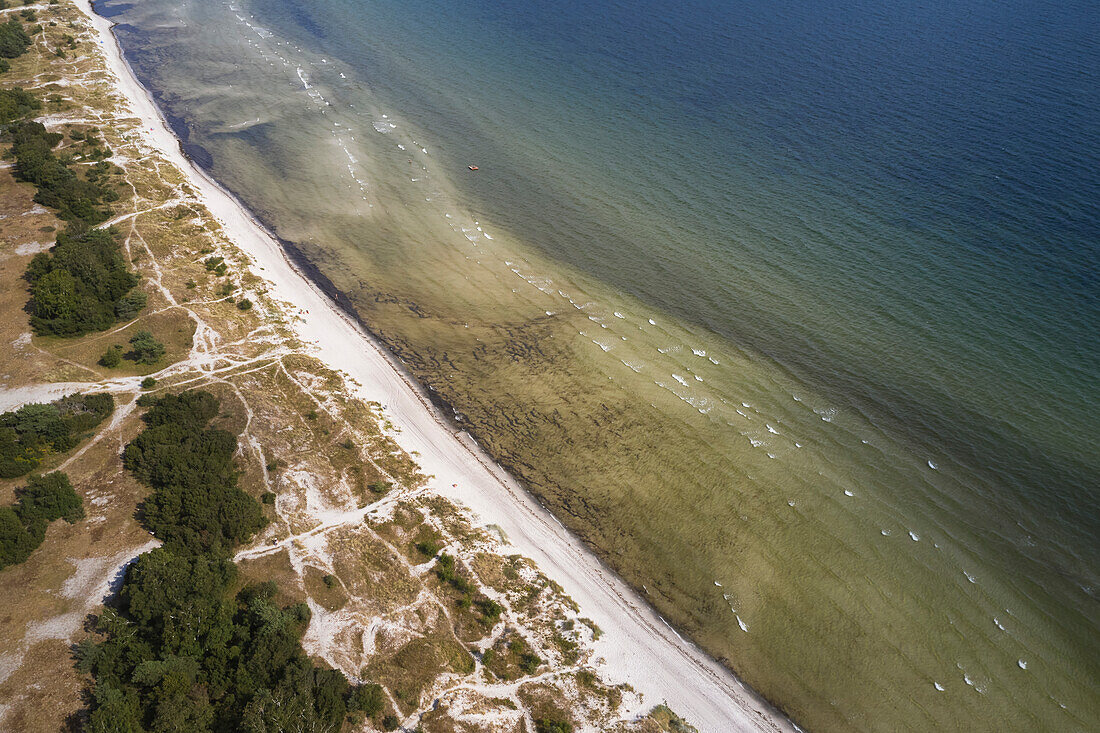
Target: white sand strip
(638, 646)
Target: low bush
(35, 431)
(15, 103)
(112, 357)
(551, 725)
(14, 41)
(144, 349)
(23, 526)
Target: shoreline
(638, 646)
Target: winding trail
(637, 646)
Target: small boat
(472, 167)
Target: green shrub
(489, 608)
(445, 567)
(148, 383)
(15, 103)
(34, 431)
(551, 725)
(23, 527)
(111, 358)
(390, 722)
(144, 349)
(130, 305)
(428, 548)
(14, 41)
(49, 497)
(268, 497)
(368, 699)
(78, 285)
(529, 662)
(244, 304)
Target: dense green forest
(33, 432)
(23, 526)
(196, 506)
(77, 200)
(82, 284)
(16, 103)
(180, 650)
(14, 42)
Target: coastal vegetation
(185, 648)
(14, 42)
(23, 526)
(16, 103)
(82, 284)
(196, 506)
(77, 200)
(35, 431)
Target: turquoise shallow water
(883, 223)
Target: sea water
(788, 309)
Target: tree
(145, 349)
(49, 497)
(368, 699)
(196, 505)
(16, 543)
(111, 358)
(34, 431)
(14, 41)
(116, 710)
(23, 526)
(78, 286)
(16, 103)
(131, 304)
(55, 296)
(551, 725)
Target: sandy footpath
(637, 646)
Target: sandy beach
(637, 646)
